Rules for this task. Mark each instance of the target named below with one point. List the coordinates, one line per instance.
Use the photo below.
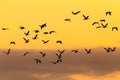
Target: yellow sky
(78, 33)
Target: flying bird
(26, 53)
(37, 61)
(67, 19)
(22, 27)
(59, 41)
(12, 42)
(8, 52)
(51, 32)
(26, 40)
(102, 20)
(113, 49)
(98, 26)
(57, 61)
(115, 28)
(44, 42)
(35, 37)
(108, 13)
(61, 51)
(75, 50)
(88, 51)
(36, 31)
(5, 28)
(104, 26)
(110, 49)
(95, 23)
(45, 32)
(43, 26)
(27, 33)
(85, 17)
(43, 54)
(75, 13)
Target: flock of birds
(100, 24)
(60, 52)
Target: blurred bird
(98, 26)
(37, 61)
(95, 23)
(12, 42)
(85, 17)
(59, 41)
(5, 28)
(35, 37)
(108, 13)
(43, 54)
(44, 42)
(51, 32)
(114, 28)
(88, 51)
(61, 51)
(75, 13)
(8, 52)
(67, 19)
(75, 50)
(43, 26)
(27, 33)
(104, 26)
(22, 27)
(36, 31)
(26, 53)
(45, 32)
(26, 40)
(102, 20)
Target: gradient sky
(78, 34)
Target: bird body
(75, 13)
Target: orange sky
(78, 33)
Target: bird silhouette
(107, 49)
(88, 51)
(57, 61)
(45, 32)
(98, 26)
(102, 20)
(85, 17)
(67, 19)
(43, 54)
(27, 33)
(42, 26)
(26, 53)
(75, 13)
(114, 28)
(104, 26)
(95, 23)
(75, 50)
(59, 56)
(61, 52)
(51, 32)
(110, 49)
(37, 61)
(44, 42)
(26, 40)
(113, 49)
(5, 28)
(8, 52)
(22, 27)
(36, 31)
(12, 42)
(35, 37)
(59, 41)
(108, 13)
